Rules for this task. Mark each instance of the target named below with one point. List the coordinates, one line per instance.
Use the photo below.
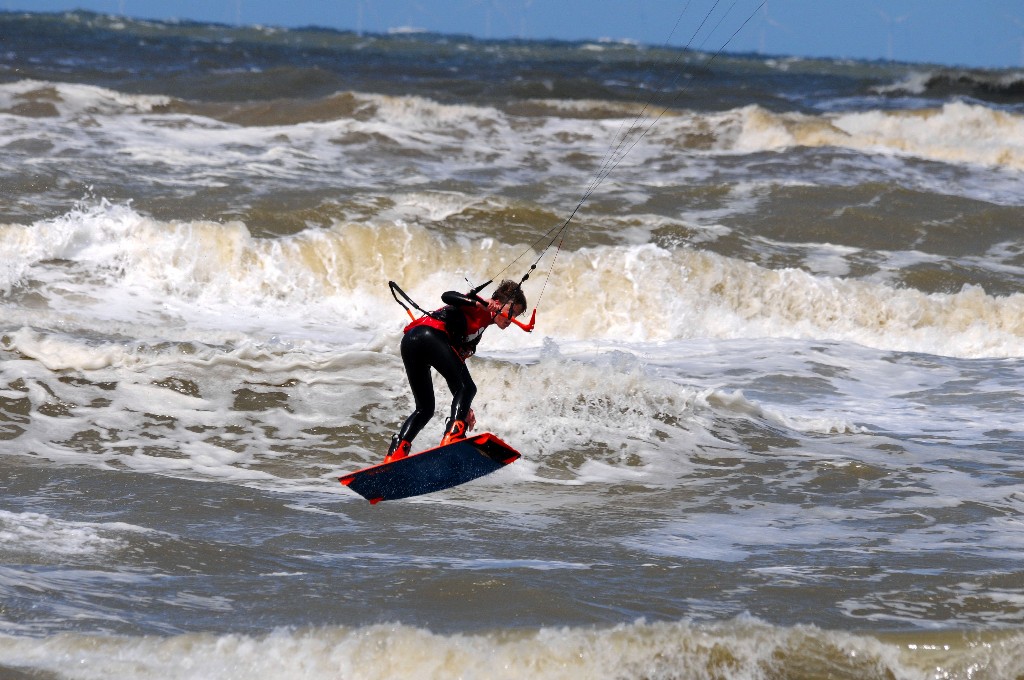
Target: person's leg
(424, 348)
(418, 349)
(463, 389)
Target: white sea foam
(587, 417)
(956, 133)
(379, 142)
(125, 268)
(634, 378)
(33, 536)
(744, 649)
(914, 82)
(72, 100)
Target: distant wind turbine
(889, 22)
(1020, 25)
(768, 22)
(502, 7)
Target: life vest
(464, 326)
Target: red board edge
(481, 438)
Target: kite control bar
(528, 327)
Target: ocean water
(770, 417)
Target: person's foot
(399, 449)
(456, 432)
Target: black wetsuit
(424, 347)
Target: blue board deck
(432, 470)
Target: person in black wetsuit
(443, 340)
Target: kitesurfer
(443, 340)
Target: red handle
(528, 327)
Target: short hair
(510, 291)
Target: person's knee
(423, 415)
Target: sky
(976, 33)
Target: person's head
(513, 301)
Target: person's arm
(457, 299)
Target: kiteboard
(432, 470)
